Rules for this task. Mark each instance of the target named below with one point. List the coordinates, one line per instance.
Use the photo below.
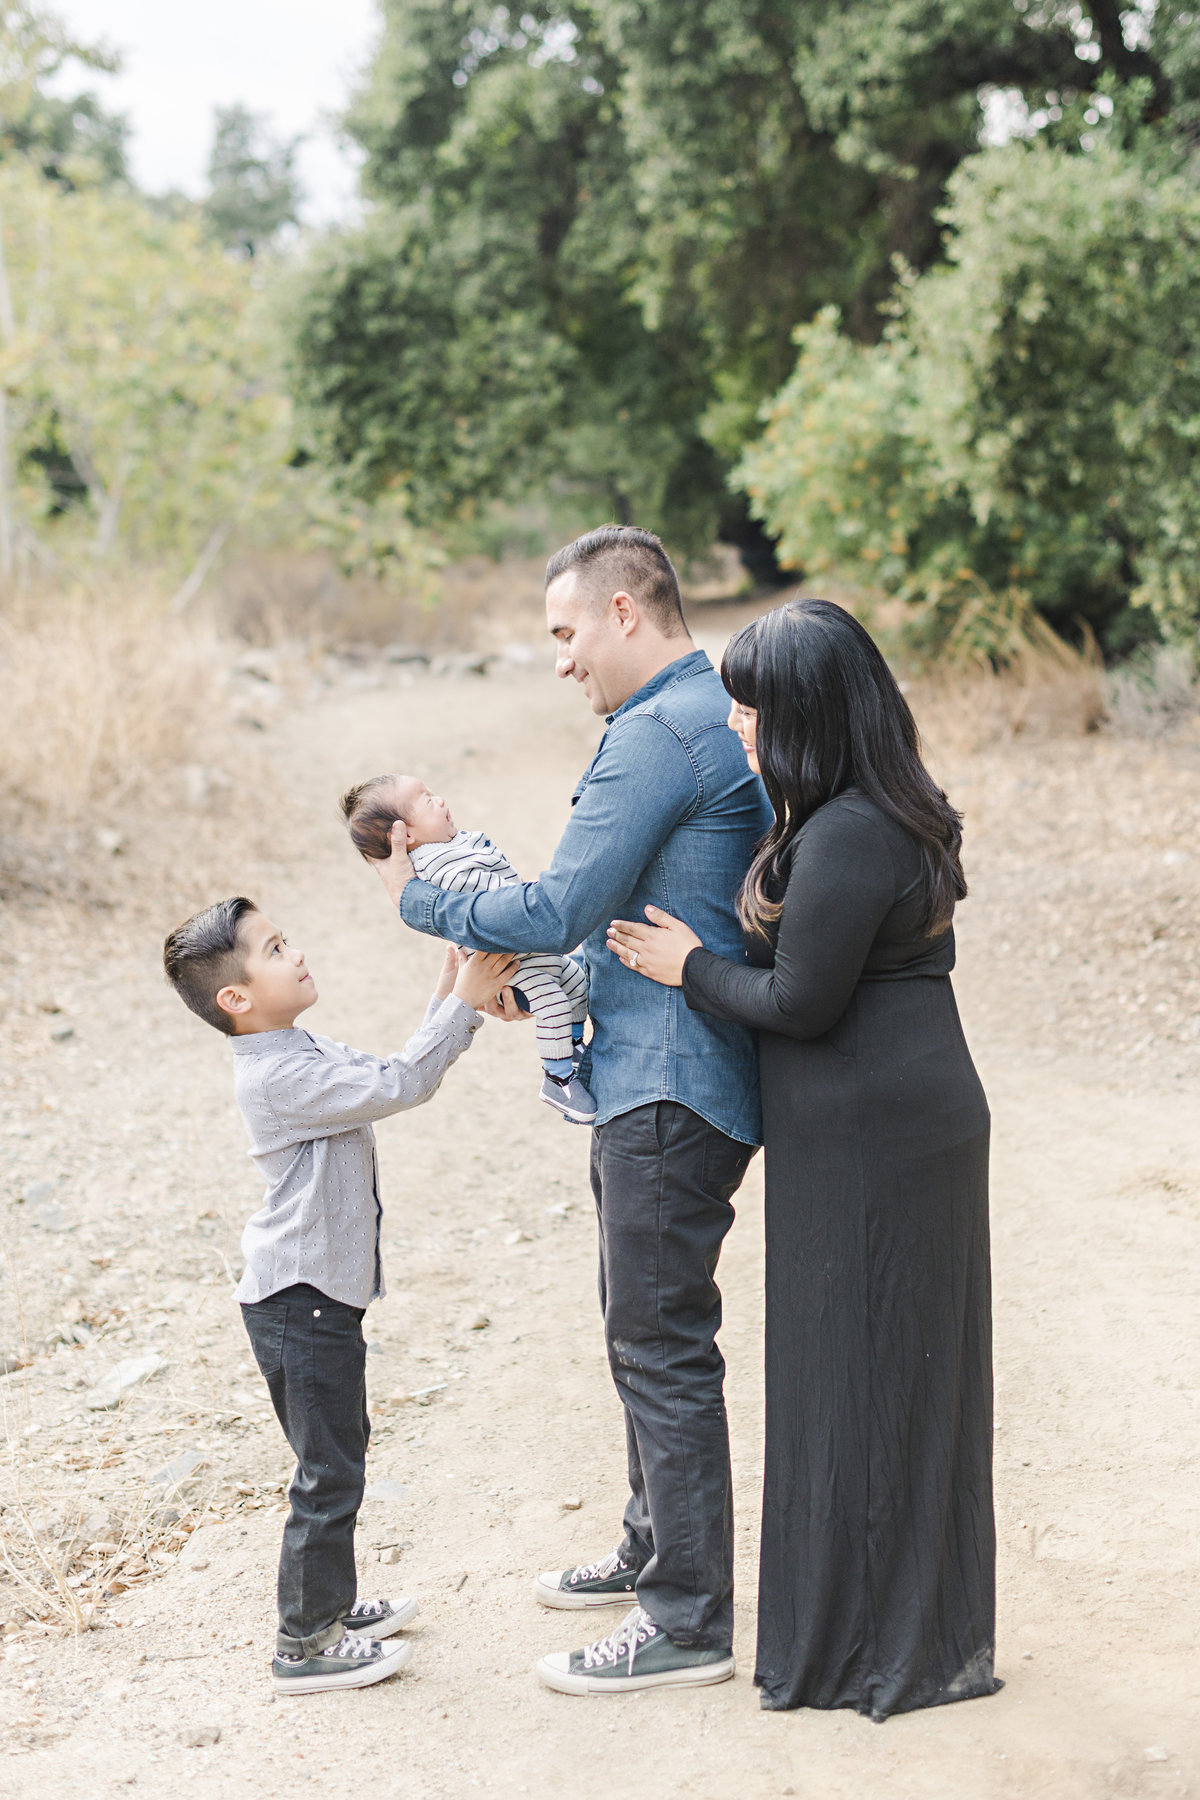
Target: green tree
(594, 229)
(136, 349)
(1025, 437)
(254, 190)
(71, 139)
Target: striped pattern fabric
(555, 987)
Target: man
(667, 815)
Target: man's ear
(625, 611)
(234, 1000)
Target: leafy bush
(1025, 435)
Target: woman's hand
(397, 871)
(658, 950)
(482, 976)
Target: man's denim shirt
(667, 814)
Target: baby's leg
(575, 986)
(541, 980)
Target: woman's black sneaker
(637, 1655)
(354, 1661)
(609, 1582)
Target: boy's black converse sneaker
(569, 1097)
(354, 1661)
(609, 1582)
(636, 1655)
(379, 1618)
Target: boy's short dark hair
(204, 955)
(370, 810)
(616, 557)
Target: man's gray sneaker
(569, 1097)
(609, 1582)
(379, 1618)
(636, 1655)
(354, 1661)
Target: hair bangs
(739, 666)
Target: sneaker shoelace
(636, 1628)
(611, 1564)
(359, 1647)
(367, 1609)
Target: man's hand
(505, 1007)
(397, 871)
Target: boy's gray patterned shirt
(308, 1104)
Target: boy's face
(427, 817)
(275, 987)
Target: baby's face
(427, 817)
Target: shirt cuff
(459, 1018)
(697, 964)
(417, 901)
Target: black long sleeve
(842, 885)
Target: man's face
(592, 647)
(275, 986)
(427, 817)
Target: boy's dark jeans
(663, 1180)
(313, 1356)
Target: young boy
(312, 1251)
(553, 988)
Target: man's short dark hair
(623, 558)
(204, 955)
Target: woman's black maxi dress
(877, 1579)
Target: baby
(553, 988)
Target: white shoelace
(597, 1571)
(352, 1646)
(367, 1609)
(636, 1628)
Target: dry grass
(963, 710)
(99, 693)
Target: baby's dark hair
(204, 954)
(371, 817)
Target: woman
(877, 1580)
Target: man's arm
(642, 784)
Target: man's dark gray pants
(312, 1355)
(663, 1179)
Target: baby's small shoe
(569, 1097)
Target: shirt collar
(255, 1043)
(694, 663)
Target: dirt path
(1096, 1208)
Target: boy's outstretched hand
(452, 963)
(481, 976)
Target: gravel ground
(124, 1185)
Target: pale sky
(295, 60)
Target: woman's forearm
(758, 998)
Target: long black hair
(831, 717)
